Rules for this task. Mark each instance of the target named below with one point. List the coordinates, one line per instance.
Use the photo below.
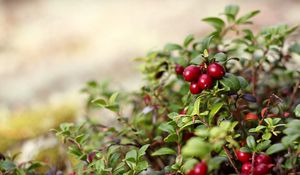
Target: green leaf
(243, 82)
(295, 48)
(7, 165)
(99, 102)
(142, 150)
(207, 40)
(133, 154)
(214, 110)
(220, 57)
(231, 81)
(163, 151)
(167, 127)
(245, 149)
(214, 163)
(188, 40)
(141, 166)
(275, 148)
(231, 12)
(217, 23)
(266, 136)
(189, 164)
(245, 18)
(112, 98)
(171, 138)
(196, 106)
(196, 147)
(172, 47)
(251, 142)
(263, 145)
(297, 110)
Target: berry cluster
(262, 163)
(200, 77)
(199, 169)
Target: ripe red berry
(243, 156)
(91, 156)
(216, 71)
(195, 88)
(179, 69)
(251, 116)
(261, 169)
(183, 112)
(186, 136)
(191, 73)
(191, 172)
(200, 168)
(205, 81)
(246, 167)
(263, 158)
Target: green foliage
(169, 130)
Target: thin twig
(230, 160)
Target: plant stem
(293, 96)
(230, 160)
(252, 163)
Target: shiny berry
(195, 88)
(179, 69)
(243, 156)
(263, 158)
(191, 73)
(200, 168)
(251, 116)
(215, 70)
(246, 167)
(205, 81)
(261, 169)
(191, 172)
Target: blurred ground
(49, 48)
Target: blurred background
(50, 48)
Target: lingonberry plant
(224, 104)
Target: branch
(230, 160)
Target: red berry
(186, 136)
(183, 112)
(263, 158)
(191, 73)
(246, 167)
(216, 71)
(191, 172)
(195, 88)
(179, 69)
(243, 156)
(147, 99)
(91, 156)
(261, 169)
(251, 116)
(205, 81)
(200, 168)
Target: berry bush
(227, 103)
